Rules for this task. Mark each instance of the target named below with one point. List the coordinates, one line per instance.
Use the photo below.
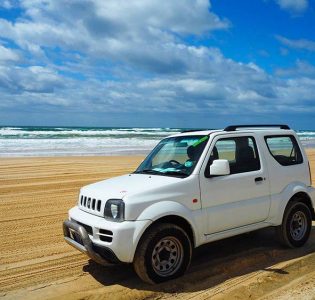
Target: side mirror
(220, 167)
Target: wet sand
(36, 263)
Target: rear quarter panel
(285, 181)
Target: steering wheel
(174, 162)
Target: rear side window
(284, 149)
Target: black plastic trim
(76, 236)
(88, 228)
(107, 254)
(234, 127)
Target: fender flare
(162, 209)
(286, 195)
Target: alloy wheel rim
(167, 256)
(298, 225)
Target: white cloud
(301, 68)
(133, 57)
(303, 44)
(145, 33)
(34, 79)
(185, 16)
(7, 4)
(295, 6)
(7, 55)
(230, 88)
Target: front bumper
(116, 241)
(76, 236)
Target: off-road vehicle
(194, 188)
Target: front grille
(90, 203)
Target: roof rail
(234, 127)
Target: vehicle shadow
(213, 263)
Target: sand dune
(35, 262)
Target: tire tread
(282, 230)
(139, 259)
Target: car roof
(260, 131)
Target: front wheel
(296, 225)
(164, 253)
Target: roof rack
(234, 127)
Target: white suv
(193, 188)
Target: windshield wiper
(175, 173)
(154, 172)
(149, 171)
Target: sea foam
(69, 141)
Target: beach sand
(36, 263)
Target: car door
(241, 198)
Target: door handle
(258, 179)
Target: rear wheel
(296, 225)
(163, 253)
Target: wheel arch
(304, 198)
(191, 221)
(279, 202)
(180, 221)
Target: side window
(284, 149)
(226, 150)
(241, 152)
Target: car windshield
(174, 156)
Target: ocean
(87, 141)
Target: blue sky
(180, 63)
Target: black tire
(163, 253)
(296, 225)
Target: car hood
(123, 187)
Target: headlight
(115, 210)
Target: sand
(36, 263)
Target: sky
(153, 63)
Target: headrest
(191, 152)
(245, 154)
